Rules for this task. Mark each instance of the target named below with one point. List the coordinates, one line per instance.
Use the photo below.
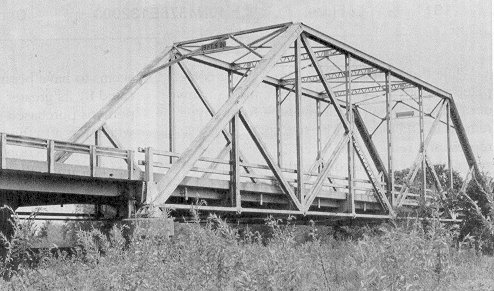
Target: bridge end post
(151, 191)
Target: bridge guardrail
(413, 195)
(150, 163)
(52, 146)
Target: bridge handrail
(150, 163)
(52, 145)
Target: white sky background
(61, 61)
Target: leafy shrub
(413, 254)
(19, 247)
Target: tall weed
(213, 255)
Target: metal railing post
(148, 165)
(130, 164)
(3, 145)
(93, 160)
(50, 158)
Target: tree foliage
(442, 174)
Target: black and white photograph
(246, 145)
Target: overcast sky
(62, 60)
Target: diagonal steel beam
(221, 155)
(100, 117)
(383, 200)
(463, 139)
(232, 106)
(318, 162)
(215, 48)
(421, 155)
(439, 187)
(264, 40)
(434, 175)
(209, 108)
(463, 189)
(190, 54)
(425, 114)
(316, 188)
(378, 190)
(327, 146)
(324, 82)
(369, 144)
(284, 185)
(246, 46)
(382, 120)
(467, 179)
(112, 138)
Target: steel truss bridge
(343, 170)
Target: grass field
(413, 255)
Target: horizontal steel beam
(327, 199)
(336, 75)
(40, 167)
(23, 181)
(242, 32)
(275, 211)
(374, 89)
(57, 214)
(289, 59)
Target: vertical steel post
(130, 164)
(389, 137)
(50, 157)
(93, 158)
(422, 147)
(298, 120)
(236, 199)
(234, 153)
(97, 142)
(318, 134)
(448, 136)
(279, 144)
(350, 152)
(95, 161)
(171, 109)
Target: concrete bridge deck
(30, 182)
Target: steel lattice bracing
(303, 66)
